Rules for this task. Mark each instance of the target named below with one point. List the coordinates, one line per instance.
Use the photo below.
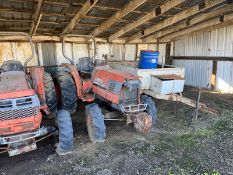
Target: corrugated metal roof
(57, 11)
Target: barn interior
(194, 39)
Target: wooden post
(168, 58)
(213, 76)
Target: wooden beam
(64, 4)
(37, 17)
(160, 11)
(207, 58)
(188, 13)
(56, 38)
(209, 25)
(81, 13)
(129, 7)
(187, 23)
(51, 22)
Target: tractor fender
(36, 74)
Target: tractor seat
(11, 65)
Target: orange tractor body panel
(36, 74)
(16, 94)
(101, 77)
(114, 98)
(8, 127)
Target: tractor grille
(114, 86)
(16, 108)
(18, 113)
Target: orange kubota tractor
(25, 95)
(112, 90)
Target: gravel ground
(180, 145)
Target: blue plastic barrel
(148, 59)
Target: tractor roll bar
(76, 35)
(29, 39)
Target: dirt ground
(180, 145)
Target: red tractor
(115, 91)
(27, 94)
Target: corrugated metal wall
(218, 42)
(16, 51)
(51, 53)
(197, 73)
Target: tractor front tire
(95, 123)
(68, 91)
(50, 94)
(151, 109)
(66, 138)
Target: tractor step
(21, 147)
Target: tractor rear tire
(68, 91)
(66, 137)
(151, 109)
(50, 94)
(95, 123)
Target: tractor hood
(13, 81)
(103, 74)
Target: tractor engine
(120, 89)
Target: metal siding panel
(48, 54)
(117, 51)
(217, 42)
(130, 52)
(5, 52)
(22, 52)
(16, 51)
(225, 76)
(229, 41)
(152, 47)
(213, 43)
(59, 56)
(79, 51)
(102, 50)
(197, 73)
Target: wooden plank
(37, 17)
(81, 13)
(129, 7)
(182, 99)
(202, 27)
(187, 23)
(188, 13)
(208, 58)
(158, 12)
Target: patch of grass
(225, 124)
(185, 141)
(119, 144)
